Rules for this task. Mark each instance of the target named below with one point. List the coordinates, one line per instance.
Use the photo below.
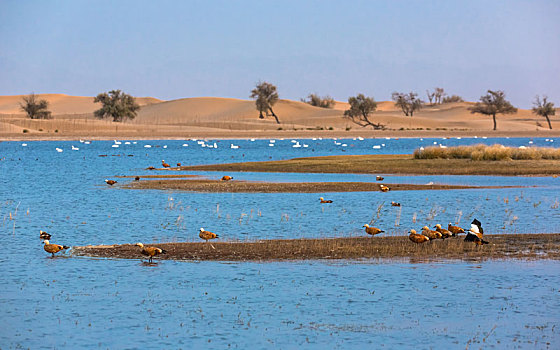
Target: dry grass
(205, 185)
(392, 164)
(506, 246)
(483, 152)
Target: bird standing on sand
(226, 178)
(137, 178)
(53, 248)
(164, 164)
(475, 233)
(150, 251)
(445, 233)
(43, 235)
(324, 201)
(431, 234)
(178, 164)
(384, 188)
(110, 182)
(206, 235)
(417, 238)
(372, 230)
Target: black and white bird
(475, 234)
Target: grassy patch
(506, 246)
(484, 152)
(392, 164)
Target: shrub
(25, 131)
(484, 152)
(452, 99)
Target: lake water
(71, 303)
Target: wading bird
(324, 201)
(150, 251)
(417, 238)
(206, 235)
(53, 248)
(372, 230)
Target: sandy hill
(62, 104)
(200, 116)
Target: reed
(483, 152)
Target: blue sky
(176, 49)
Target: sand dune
(228, 117)
(62, 104)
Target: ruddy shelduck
(455, 229)
(445, 233)
(226, 178)
(53, 248)
(324, 200)
(431, 234)
(384, 188)
(110, 182)
(372, 230)
(150, 251)
(164, 164)
(207, 235)
(417, 238)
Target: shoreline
(502, 246)
(267, 134)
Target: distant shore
(502, 246)
(267, 134)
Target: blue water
(71, 303)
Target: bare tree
(408, 103)
(117, 105)
(494, 102)
(265, 96)
(544, 108)
(431, 95)
(439, 94)
(318, 101)
(35, 108)
(360, 109)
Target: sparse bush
(318, 101)
(25, 131)
(408, 103)
(265, 95)
(452, 99)
(35, 109)
(544, 108)
(56, 130)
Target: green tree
(117, 105)
(544, 108)
(35, 108)
(408, 103)
(265, 96)
(494, 102)
(318, 101)
(360, 109)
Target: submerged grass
(503, 246)
(495, 152)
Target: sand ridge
(237, 118)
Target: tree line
(120, 106)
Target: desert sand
(215, 117)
